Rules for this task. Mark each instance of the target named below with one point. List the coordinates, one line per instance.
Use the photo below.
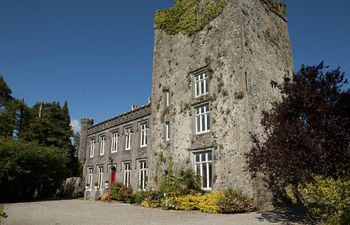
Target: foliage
(121, 192)
(106, 197)
(138, 197)
(152, 199)
(2, 213)
(186, 17)
(214, 202)
(181, 182)
(308, 129)
(332, 199)
(45, 123)
(235, 202)
(276, 7)
(28, 170)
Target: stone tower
(85, 125)
(241, 48)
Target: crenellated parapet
(121, 119)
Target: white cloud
(75, 124)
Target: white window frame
(167, 98)
(128, 139)
(102, 145)
(142, 164)
(143, 135)
(100, 177)
(126, 173)
(114, 142)
(92, 147)
(90, 177)
(202, 118)
(202, 165)
(201, 85)
(167, 131)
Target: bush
(235, 202)
(106, 197)
(182, 182)
(209, 203)
(120, 192)
(329, 200)
(138, 197)
(152, 199)
(28, 170)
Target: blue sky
(97, 54)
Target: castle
(215, 69)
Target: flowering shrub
(234, 202)
(106, 197)
(169, 202)
(188, 202)
(152, 199)
(214, 202)
(209, 203)
(329, 200)
(120, 192)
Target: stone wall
(245, 50)
(132, 120)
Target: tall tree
(8, 107)
(50, 126)
(308, 132)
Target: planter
(106, 185)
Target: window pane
(210, 156)
(210, 174)
(203, 157)
(208, 122)
(204, 176)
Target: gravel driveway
(80, 212)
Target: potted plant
(106, 184)
(87, 186)
(96, 186)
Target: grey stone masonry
(208, 92)
(116, 157)
(244, 52)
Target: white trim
(102, 145)
(200, 84)
(126, 173)
(143, 135)
(142, 165)
(128, 139)
(204, 167)
(202, 119)
(167, 131)
(114, 142)
(167, 98)
(100, 178)
(90, 177)
(92, 147)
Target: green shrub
(209, 203)
(169, 202)
(152, 199)
(182, 182)
(329, 200)
(29, 170)
(120, 192)
(188, 202)
(138, 197)
(235, 202)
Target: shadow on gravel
(286, 217)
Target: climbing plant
(187, 16)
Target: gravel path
(80, 212)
